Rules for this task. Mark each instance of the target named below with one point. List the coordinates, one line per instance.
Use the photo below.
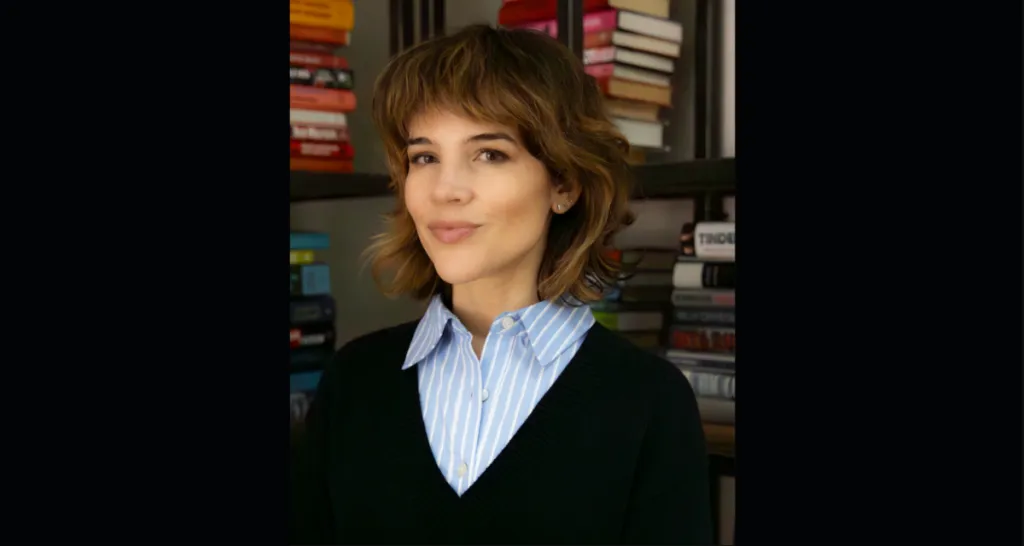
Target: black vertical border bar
(562, 17)
(408, 25)
(394, 28)
(700, 83)
(439, 17)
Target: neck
(478, 303)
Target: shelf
(685, 179)
(720, 439)
(665, 181)
(312, 186)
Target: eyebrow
(482, 137)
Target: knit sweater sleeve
(670, 501)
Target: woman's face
(481, 203)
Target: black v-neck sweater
(613, 453)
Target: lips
(452, 232)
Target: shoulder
(394, 339)
(380, 350)
(646, 376)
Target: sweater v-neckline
(557, 402)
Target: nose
(452, 184)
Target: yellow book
(333, 14)
(299, 257)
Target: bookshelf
(688, 179)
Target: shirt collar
(550, 328)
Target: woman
(505, 414)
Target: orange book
(319, 98)
(319, 35)
(321, 165)
(332, 14)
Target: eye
(492, 156)
(422, 159)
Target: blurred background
(667, 69)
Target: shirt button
(507, 323)
(463, 469)
(483, 395)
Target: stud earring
(559, 207)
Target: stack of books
(702, 329)
(322, 85)
(630, 47)
(312, 312)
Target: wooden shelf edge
(720, 439)
(684, 179)
(316, 186)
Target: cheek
(523, 213)
(416, 200)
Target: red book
(317, 133)
(527, 11)
(324, 150)
(319, 35)
(316, 98)
(311, 58)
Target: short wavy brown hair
(522, 79)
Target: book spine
(308, 33)
(601, 21)
(697, 274)
(601, 71)
(312, 47)
(318, 60)
(302, 131)
(711, 384)
(331, 100)
(310, 280)
(702, 339)
(321, 165)
(712, 361)
(304, 381)
(301, 257)
(318, 118)
(325, 78)
(312, 309)
(332, 14)
(683, 297)
(325, 150)
(705, 316)
(310, 358)
(599, 55)
(315, 336)
(309, 241)
(715, 240)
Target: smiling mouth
(451, 235)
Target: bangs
(487, 77)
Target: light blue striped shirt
(472, 407)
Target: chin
(456, 271)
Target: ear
(563, 197)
